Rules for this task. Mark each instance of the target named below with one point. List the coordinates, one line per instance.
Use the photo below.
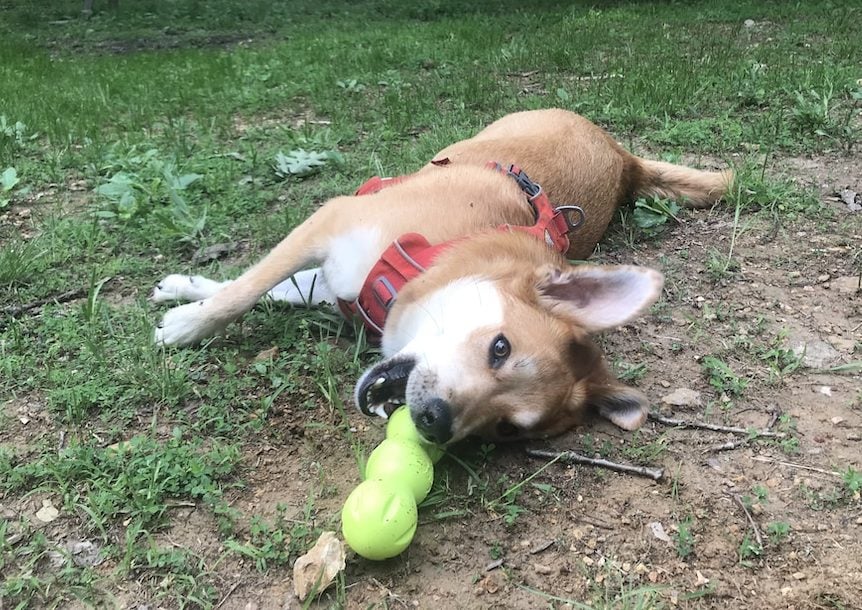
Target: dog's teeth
(379, 382)
(379, 410)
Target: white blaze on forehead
(446, 318)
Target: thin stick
(576, 458)
(228, 594)
(763, 458)
(754, 527)
(70, 295)
(729, 445)
(681, 423)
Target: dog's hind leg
(306, 288)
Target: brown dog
(493, 338)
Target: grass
(139, 137)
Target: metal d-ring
(570, 211)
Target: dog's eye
(506, 429)
(499, 351)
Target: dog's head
(509, 357)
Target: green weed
(684, 539)
(748, 551)
(777, 531)
(722, 377)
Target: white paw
(176, 287)
(187, 325)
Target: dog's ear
(597, 298)
(625, 407)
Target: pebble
(799, 576)
(541, 568)
(683, 397)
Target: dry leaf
(267, 354)
(316, 570)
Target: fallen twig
(681, 423)
(751, 521)
(228, 594)
(70, 295)
(763, 458)
(729, 445)
(589, 520)
(576, 458)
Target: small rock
(848, 284)
(823, 278)
(749, 23)
(837, 420)
(848, 196)
(701, 579)
(84, 553)
(715, 464)
(825, 390)
(541, 568)
(785, 591)
(683, 397)
(587, 560)
(815, 354)
(799, 576)
(48, 512)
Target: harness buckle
(531, 188)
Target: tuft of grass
(684, 539)
(777, 531)
(722, 377)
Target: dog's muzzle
(381, 389)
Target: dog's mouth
(382, 388)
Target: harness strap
(411, 254)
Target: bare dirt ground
(584, 531)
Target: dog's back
(579, 163)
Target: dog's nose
(434, 420)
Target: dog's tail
(692, 187)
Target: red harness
(411, 254)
